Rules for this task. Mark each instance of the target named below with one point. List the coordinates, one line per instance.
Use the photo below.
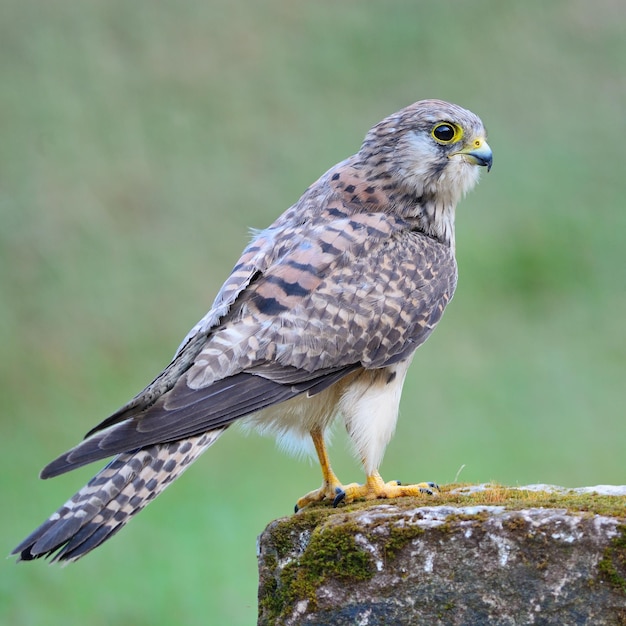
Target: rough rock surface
(451, 563)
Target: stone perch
(474, 555)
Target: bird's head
(432, 148)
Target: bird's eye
(445, 132)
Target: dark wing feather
(185, 412)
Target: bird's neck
(363, 187)
(427, 204)
(431, 216)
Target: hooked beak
(477, 153)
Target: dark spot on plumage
(332, 228)
(269, 306)
(135, 501)
(203, 439)
(391, 377)
(371, 189)
(302, 267)
(384, 175)
(120, 516)
(118, 480)
(136, 464)
(375, 232)
(350, 188)
(157, 464)
(328, 248)
(335, 212)
(335, 176)
(373, 202)
(290, 289)
(169, 466)
(373, 346)
(151, 484)
(394, 336)
(184, 447)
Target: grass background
(140, 140)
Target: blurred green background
(140, 140)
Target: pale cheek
(463, 175)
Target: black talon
(341, 494)
(296, 508)
(399, 483)
(431, 492)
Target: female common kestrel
(320, 318)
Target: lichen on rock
(473, 555)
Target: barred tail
(108, 501)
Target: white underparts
(368, 401)
(370, 407)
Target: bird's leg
(331, 486)
(375, 487)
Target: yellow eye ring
(446, 133)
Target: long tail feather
(111, 498)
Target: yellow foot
(330, 490)
(373, 488)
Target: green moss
(612, 566)
(399, 536)
(331, 552)
(451, 522)
(497, 495)
(283, 534)
(268, 597)
(515, 524)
